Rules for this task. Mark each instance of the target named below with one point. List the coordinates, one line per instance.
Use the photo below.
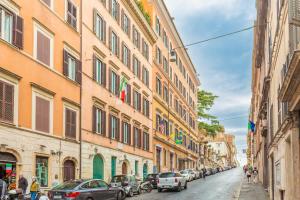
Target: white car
(188, 176)
(171, 180)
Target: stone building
(274, 146)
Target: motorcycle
(14, 195)
(146, 186)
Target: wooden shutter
(129, 58)
(95, 67)
(122, 52)
(109, 37)
(43, 48)
(118, 13)
(110, 127)
(118, 47)
(139, 101)
(94, 118)
(104, 32)
(140, 138)
(103, 122)
(78, 71)
(118, 133)
(18, 26)
(134, 136)
(109, 6)
(6, 102)
(122, 132)
(129, 134)
(122, 20)
(42, 115)
(143, 48)
(118, 86)
(65, 63)
(103, 74)
(95, 20)
(70, 123)
(109, 80)
(129, 94)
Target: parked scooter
(146, 186)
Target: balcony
(291, 79)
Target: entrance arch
(69, 170)
(124, 168)
(8, 167)
(98, 167)
(145, 171)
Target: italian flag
(123, 88)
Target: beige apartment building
(275, 144)
(39, 90)
(117, 55)
(175, 84)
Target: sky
(223, 65)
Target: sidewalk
(251, 191)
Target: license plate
(166, 186)
(57, 197)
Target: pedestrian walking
(255, 174)
(248, 173)
(55, 181)
(245, 169)
(34, 189)
(23, 184)
(3, 189)
(204, 172)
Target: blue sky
(224, 65)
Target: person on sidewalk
(23, 184)
(3, 187)
(204, 172)
(248, 173)
(255, 174)
(34, 188)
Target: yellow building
(174, 95)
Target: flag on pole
(173, 136)
(251, 126)
(123, 88)
(179, 138)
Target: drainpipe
(80, 117)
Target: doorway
(98, 167)
(145, 171)
(8, 169)
(124, 168)
(69, 170)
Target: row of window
(42, 115)
(100, 31)
(161, 32)
(167, 129)
(162, 90)
(99, 74)
(119, 132)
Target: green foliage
(142, 9)
(207, 122)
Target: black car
(93, 189)
(153, 179)
(129, 183)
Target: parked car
(214, 171)
(86, 189)
(128, 182)
(153, 179)
(171, 180)
(197, 174)
(186, 175)
(208, 172)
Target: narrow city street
(221, 186)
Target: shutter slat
(78, 71)
(65, 63)
(18, 26)
(95, 67)
(103, 119)
(94, 118)
(103, 74)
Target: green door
(98, 167)
(113, 166)
(145, 171)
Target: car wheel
(119, 196)
(130, 193)
(139, 191)
(179, 188)
(89, 199)
(159, 189)
(185, 186)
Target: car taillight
(72, 195)
(176, 180)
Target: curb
(238, 192)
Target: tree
(207, 122)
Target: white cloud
(228, 8)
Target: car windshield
(167, 175)
(118, 179)
(183, 172)
(69, 185)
